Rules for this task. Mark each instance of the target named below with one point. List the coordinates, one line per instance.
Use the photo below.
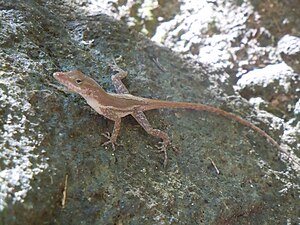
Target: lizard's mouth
(58, 76)
(61, 77)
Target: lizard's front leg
(142, 120)
(140, 116)
(112, 139)
(117, 79)
(120, 89)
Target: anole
(116, 106)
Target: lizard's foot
(121, 74)
(162, 147)
(116, 68)
(110, 140)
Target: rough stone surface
(289, 48)
(223, 174)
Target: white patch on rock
(19, 139)
(263, 77)
(289, 45)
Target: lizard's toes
(110, 142)
(106, 134)
(162, 147)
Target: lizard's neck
(95, 96)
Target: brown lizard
(116, 106)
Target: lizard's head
(78, 82)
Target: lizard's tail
(156, 104)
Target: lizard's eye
(78, 81)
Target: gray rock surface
(224, 173)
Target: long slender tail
(158, 104)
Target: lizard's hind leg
(142, 120)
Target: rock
(289, 48)
(53, 167)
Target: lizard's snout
(57, 74)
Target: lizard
(114, 106)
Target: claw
(110, 141)
(115, 68)
(107, 135)
(162, 147)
